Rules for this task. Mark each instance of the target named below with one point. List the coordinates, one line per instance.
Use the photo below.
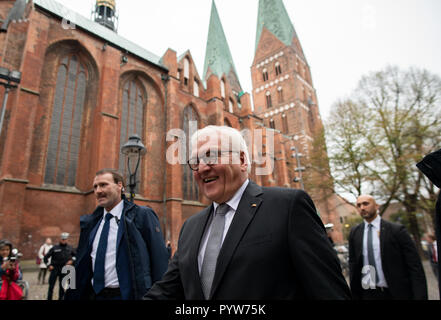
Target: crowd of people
(251, 242)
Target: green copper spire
(272, 15)
(218, 58)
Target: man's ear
(243, 161)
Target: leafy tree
(378, 134)
(318, 180)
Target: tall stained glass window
(132, 119)
(66, 122)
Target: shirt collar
(376, 222)
(234, 201)
(116, 211)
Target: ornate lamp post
(299, 168)
(133, 149)
(10, 76)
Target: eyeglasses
(210, 158)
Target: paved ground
(432, 284)
(39, 291)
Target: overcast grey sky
(342, 39)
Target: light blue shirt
(377, 250)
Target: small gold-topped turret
(105, 13)
(106, 3)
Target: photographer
(9, 273)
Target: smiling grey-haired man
(252, 242)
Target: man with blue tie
(383, 260)
(121, 251)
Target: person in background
(329, 229)
(61, 255)
(383, 260)
(10, 273)
(44, 249)
(169, 249)
(433, 253)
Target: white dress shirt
(110, 275)
(233, 203)
(376, 246)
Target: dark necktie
(370, 247)
(214, 244)
(98, 272)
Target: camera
(15, 255)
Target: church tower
(105, 14)
(218, 59)
(285, 98)
(283, 92)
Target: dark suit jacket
(401, 263)
(137, 266)
(431, 167)
(275, 248)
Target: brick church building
(84, 90)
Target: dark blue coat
(141, 259)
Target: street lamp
(299, 168)
(133, 149)
(10, 76)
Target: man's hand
(51, 268)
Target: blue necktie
(98, 272)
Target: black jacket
(431, 167)
(401, 263)
(276, 248)
(60, 255)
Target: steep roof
(273, 15)
(98, 30)
(218, 59)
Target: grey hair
(232, 134)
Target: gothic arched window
(265, 75)
(132, 119)
(222, 84)
(230, 105)
(66, 122)
(186, 71)
(269, 102)
(272, 124)
(196, 88)
(278, 68)
(280, 92)
(189, 185)
(285, 123)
